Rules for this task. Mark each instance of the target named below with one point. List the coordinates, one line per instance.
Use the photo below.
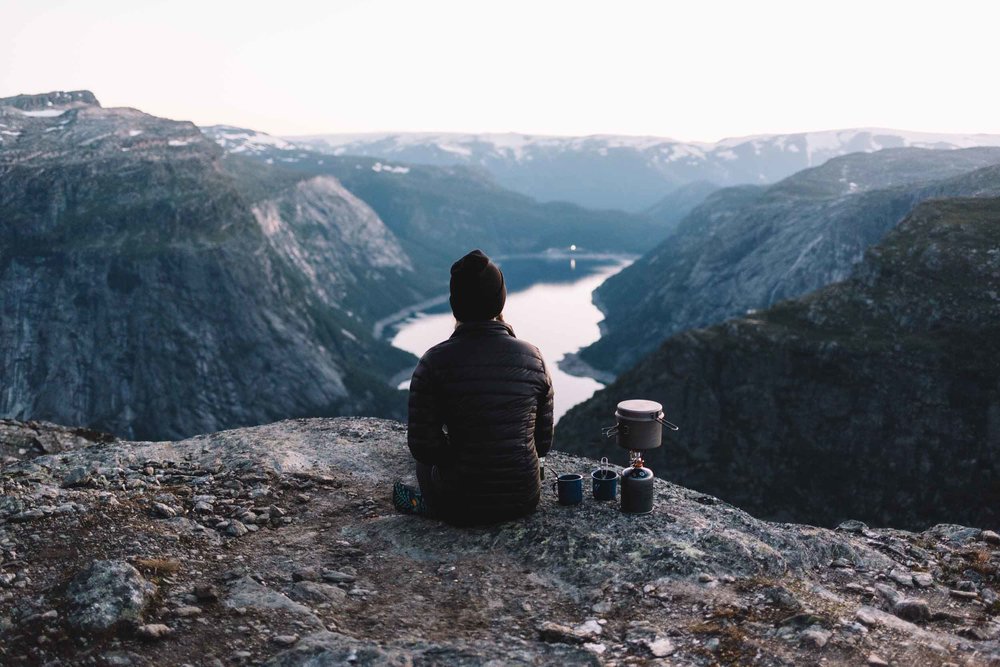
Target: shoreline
(570, 363)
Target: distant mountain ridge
(628, 172)
(437, 210)
(748, 247)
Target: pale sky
(694, 70)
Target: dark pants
(425, 478)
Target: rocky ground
(278, 545)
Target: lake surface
(548, 304)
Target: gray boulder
(106, 595)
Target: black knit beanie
(478, 291)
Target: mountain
(148, 291)
(627, 172)
(875, 398)
(278, 545)
(675, 206)
(748, 247)
(439, 212)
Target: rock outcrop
(876, 398)
(321, 570)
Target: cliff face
(144, 291)
(876, 398)
(278, 545)
(748, 248)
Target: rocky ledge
(278, 545)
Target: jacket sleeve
(544, 421)
(424, 436)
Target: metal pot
(639, 425)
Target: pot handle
(670, 425)
(610, 431)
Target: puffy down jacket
(481, 414)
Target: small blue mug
(605, 482)
(569, 489)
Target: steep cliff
(278, 545)
(147, 291)
(876, 398)
(747, 248)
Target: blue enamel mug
(604, 481)
(569, 489)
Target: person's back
(480, 408)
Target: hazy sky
(695, 70)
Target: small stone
(187, 611)
(853, 526)
(335, 577)
(7, 579)
(661, 647)
(204, 507)
(963, 595)
(817, 637)
(236, 528)
(276, 511)
(712, 644)
(165, 511)
(990, 537)
(855, 628)
(912, 609)
(988, 595)
(602, 607)
(313, 591)
(558, 633)
(152, 631)
(877, 660)
(704, 577)
(49, 615)
(648, 588)
(854, 587)
(305, 574)
(866, 616)
(286, 640)
(76, 477)
(965, 585)
(589, 628)
(842, 563)
(596, 649)
(923, 579)
(902, 578)
(206, 593)
(891, 595)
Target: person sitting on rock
(480, 410)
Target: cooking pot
(639, 425)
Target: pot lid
(638, 408)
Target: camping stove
(639, 428)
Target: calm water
(548, 304)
